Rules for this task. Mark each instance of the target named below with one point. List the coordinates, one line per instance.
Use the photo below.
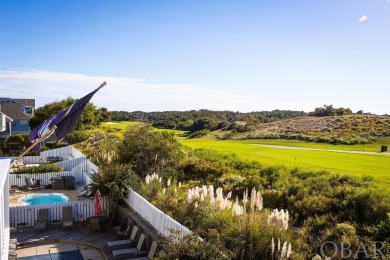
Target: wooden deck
(78, 233)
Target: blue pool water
(49, 198)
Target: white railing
(91, 167)
(4, 208)
(86, 178)
(82, 209)
(45, 178)
(64, 152)
(158, 219)
(31, 159)
(27, 159)
(71, 164)
(76, 153)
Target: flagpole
(42, 138)
(102, 85)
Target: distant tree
(204, 123)
(184, 120)
(16, 143)
(329, 110)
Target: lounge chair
(67, 217)
(151, 253)
(124, 228)
(42, 220)
(125, 242)
(94, 225)
(31, 185)
(123, 225)
(131, 252)
(86, 194)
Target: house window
(23, 122)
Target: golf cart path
(319, 149)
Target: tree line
(196, 120)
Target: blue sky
(182, 55)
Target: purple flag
(65, 120)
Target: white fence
(64, 152)
(4, 208)
(32, 160)
(91, 167)
(19, 179)
(71, 164)
(158, 219)
(27, 159)
(28, 214)
(76, 153)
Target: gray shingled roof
(14, 111)
(23, 101)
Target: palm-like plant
(113, 181)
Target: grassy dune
(349, 129)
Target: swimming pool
(47, 198)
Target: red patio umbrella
(98, 203)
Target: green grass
(374, 147)
(374, 165)
(122, 125)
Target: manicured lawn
(122, 125)
(374, 147)
(377, 166)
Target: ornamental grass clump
(197, 194)
(279, 220)
(153, 185)
(246, 229)
(151, 178)
(217, 201)
(256, 200)
(237, 210)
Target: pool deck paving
(91, 245)
(86, 251)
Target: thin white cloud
(123, 93)
(363, 18)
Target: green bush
(76, 137)
(199, 134)
(54, 145)
(39, 169)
